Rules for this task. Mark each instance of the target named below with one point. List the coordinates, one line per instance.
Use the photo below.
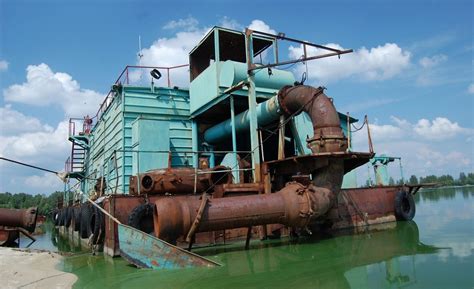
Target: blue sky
(411, 72)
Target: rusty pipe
(328, 135)
(295, 205)
(24, 218)
(180, 181)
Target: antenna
(139, 54)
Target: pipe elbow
(328, 135)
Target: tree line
(443, 180)
(45, 204)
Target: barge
(246, 152)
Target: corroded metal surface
(295, 206)
(146, 251)
(8, 236)
(364, 206)
(179, 181)
(328, 135)
(25, 218)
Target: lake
(433, 251)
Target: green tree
(413, 180)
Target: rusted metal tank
(24, 218)
(179, 181)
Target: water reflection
(326, 263)
(433, 252)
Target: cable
(28, 165)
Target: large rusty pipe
(295, 205)
(292, 100)
(24, 218)
(328, 135)
(180, 181)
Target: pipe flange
(281, 97)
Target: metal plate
(146, 251)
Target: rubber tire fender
(68, 217)
(85, 231)
(97, 225)
(138, 215)
(77, 218)
(61, 217)
(404, 206)
(56, 217)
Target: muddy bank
(21, 268)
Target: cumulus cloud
(43, 87)
(429, 62)
(259, 25)
(46, 182)
(42, 146)
(377, 63)
(438, 129)
(13, 122)
(230, 23)
(172, 51)
(3, 65)
(426, 146)
(188, 24)
(27, 139)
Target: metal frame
(255, 148)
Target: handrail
(104, 105)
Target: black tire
(404, 206)
(77, 218)
(85, 231)
(61, 217)
(68, 217)
(55, 217)
(141, 218)
(97, 226)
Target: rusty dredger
(247, 152)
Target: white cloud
(43, 87)
(386, 131)
(25, 138)
(259, 25)
(230, 23)
(426, 147)
(188, 24)
(3, 65)
(13, 122)
(175, 50)
(48, 146)
(438, 129)
(170, 52)
(47, 182)
(429, 62)
(377, 63)
(470, 88)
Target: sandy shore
(32, 269)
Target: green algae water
(433, 251)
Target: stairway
(78, 154)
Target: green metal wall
(139, 119)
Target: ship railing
(135, 75)
(80, 126)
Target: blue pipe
(267, 112)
